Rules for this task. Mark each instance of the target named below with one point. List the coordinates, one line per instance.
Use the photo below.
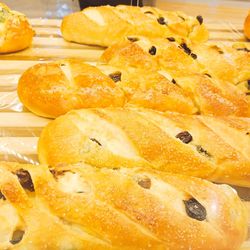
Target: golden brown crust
(218, 149)
(78, 206)
(106, 25)
(216, 77)
(15, 31)
(55, 88)
(247, 26)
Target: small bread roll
(247, 26)
(15, 31)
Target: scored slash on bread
(106, 25)
(15, 31)
(79, 206)
(214, 148)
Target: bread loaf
(217, 76)
(214, 148)
(55, 88)
(247, 26)
(82, 207)
(15, 31)
(106, 25)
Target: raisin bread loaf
(106, 25)
(213, 148)
(55, 88)
(82, 207)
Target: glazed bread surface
(106, 25)
(55, 88)
(217, 77)
(82, 207)
(15, 31)
(129, 76)
(213, 148)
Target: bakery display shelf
(20, 129)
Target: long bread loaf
(82, 207)
(214, 148)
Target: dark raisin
(171, 39)
(185, 48)
(152, 50)
(248, 93)
(94, 140)
(2, 197)
(133, 39)
(201, 150)
(17, 236)
(62, 64)
(247, 133)
(220, 52)
(248, 84)
(200, 19)
(185, 137)
(116, 77)
(195, 210)
(149, 12)
(206, 74)
(145, 183)
(244, 49)
(173, 81)
(25, 179)
(161, 20)
(194, 56)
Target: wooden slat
(53, 53)
(60, 43)
(10, 70)
(14, 67)
(9, 120)
(48, 31)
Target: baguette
(213, 148)
(15, 31)
(106, 25)
(82, 207)
(55, 88)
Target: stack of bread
(138, 139)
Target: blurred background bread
(15, 31)
(247, 26)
